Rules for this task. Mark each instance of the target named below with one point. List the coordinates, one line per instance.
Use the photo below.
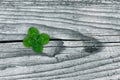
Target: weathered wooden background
(94, 23)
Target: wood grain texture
(94, 23)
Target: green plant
(35, 40)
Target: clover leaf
(44, 38)
(35, 40)
(32, 30)
(26, 42)
(37, 48)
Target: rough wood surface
(94, 23)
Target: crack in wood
(14, 41)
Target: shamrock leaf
(37, 48)
(44, 38)
(26, 42)
(32, 30)
(35, 40)
(34, 37)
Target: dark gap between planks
(13, 41)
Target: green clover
(35, 40)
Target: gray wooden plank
(79, 64)
(96, 21)
(93, 20)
